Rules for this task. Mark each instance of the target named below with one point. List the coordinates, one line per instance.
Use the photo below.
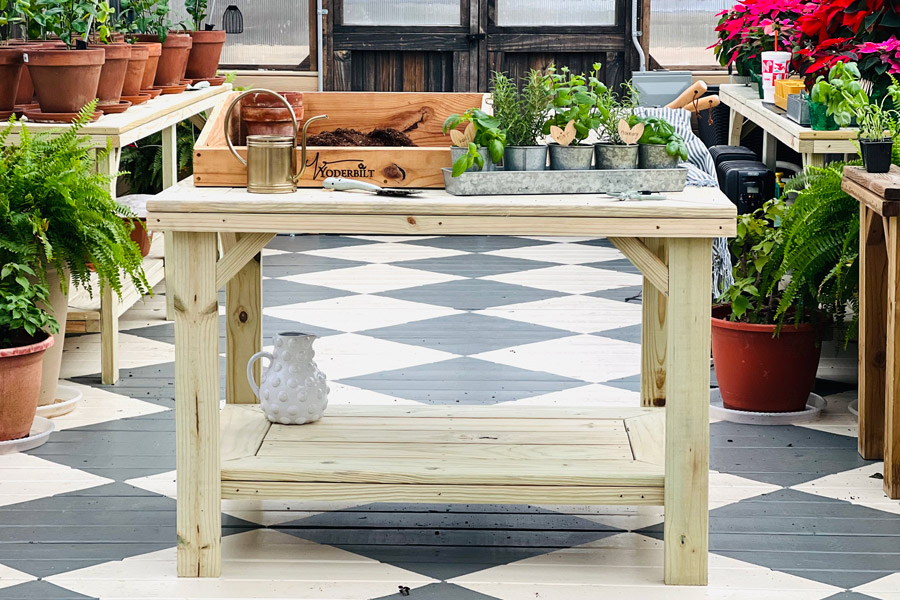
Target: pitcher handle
(253, 359)
(303, 148)
(237, 100)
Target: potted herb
(833, 99)
(766, 339)
(11, 63)
(203, 61)
(137, 18)
(522, 115)
(151, 22)
(66, 79)
(71, 217)
(25, 328)
(479, 146)
(660, 146)
(574, 116)
(615, 118)
(878, 128)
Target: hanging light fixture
(233, 20)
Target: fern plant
(51, 183)
(143, 160)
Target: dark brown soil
(352, 137)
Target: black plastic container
(876, 154)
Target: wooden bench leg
(653, 336)
(735, 127)
(769, 150)
(686, 526)
(811, 159)
(169, 178)
(243, 329)
(873, 276)
(109, 336)
(892, 371)
(199, 490)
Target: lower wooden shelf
(439, 454)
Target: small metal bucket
(271, 161)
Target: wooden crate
(419, 114)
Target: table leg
(813, 159)
(892, 372)
(686, 527)
(199, 493)
(873, 276)
(108, 164)
(170, 178)
(769, 150)
(243, 330)
(735, 125)
(653, 336)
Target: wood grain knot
(394, 171)
(243, 316)
(411, 220)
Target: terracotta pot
(112, 75)
(134, 74)
(154, 50)
(65, 80)
(140, 235)
(263, 114)
(59, 308)
(203, 61)
(25, 93)
(20, 384)
(10, 73)
(760, 373)
(173, 59)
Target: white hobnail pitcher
(292, 391)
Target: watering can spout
(303, 146)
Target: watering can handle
(250, 378)
(303, 147)
(237, 101)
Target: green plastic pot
(819, 119)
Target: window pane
(276, 32)
(681, 31)
(538, 13)
(402, 12)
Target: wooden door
(385, 45)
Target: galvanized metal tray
(504, 183)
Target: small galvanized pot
(612, 156)
(525, 158)
(457, 151)
(571, 158)
(654, 156)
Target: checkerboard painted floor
(795, 513)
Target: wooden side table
(879, 317)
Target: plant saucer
(6, 114)
(40, 432)
(213, 81)
(111, 109)
(135, 100)
(19, 109)
(153, 91)
(171, 89)
(37, 116)
(67, 399)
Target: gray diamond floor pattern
(472, 294)
(39, 590)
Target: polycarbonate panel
(402, 12)
(540, 13)
(681, 31)
(276, 32)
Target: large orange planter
(65, 80)
(20, 387)
(11, 67)
(760, 373)
(203, 61)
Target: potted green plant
(766, 339)
(479, 146)
(832, 99)
(79, 223)
(878, 128)
(613, 152)
(660, 146)
(203, 61)
(66, 79)
(11, 63)
(522, 115)
(25, 335)
(574, 116)
(150, 21)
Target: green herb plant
(659, 131)
(612, 108)
(22, 304)
(51, 187)
(521, 113)
(575, 99)
(841, 92)
(75, 20)
(146, 16)
(487, 135)
(197, 11)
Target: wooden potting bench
(101, 311)
(657, 456)
(879, 317)
(746, 105)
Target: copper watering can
(271, 161)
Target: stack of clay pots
(264, 114)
